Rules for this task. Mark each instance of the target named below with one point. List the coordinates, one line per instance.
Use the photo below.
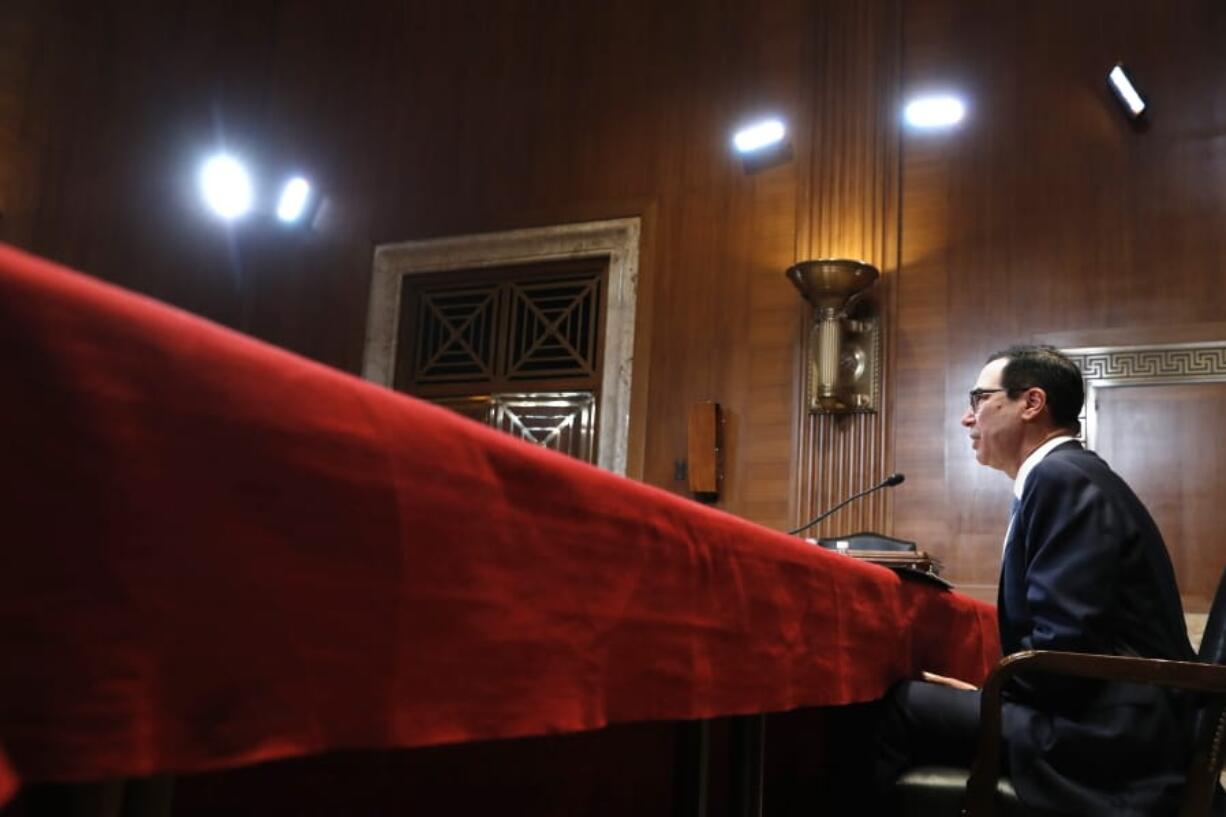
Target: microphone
(888, 482)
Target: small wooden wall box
(704, 449)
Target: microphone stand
(890, 481)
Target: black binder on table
(900, 555)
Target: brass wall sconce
(844, 353)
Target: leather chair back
(1213, 645)
(1209, 746)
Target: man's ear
(1035, 400)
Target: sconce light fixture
(843, 353)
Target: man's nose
(968, 417)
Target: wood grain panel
(433, 118)
(1045, 215)
(850, 211)
(17, 46)
(1160, 439)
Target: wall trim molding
(1155, 364)
(616, 239)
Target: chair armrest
(981, 788)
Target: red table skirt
(217, 552)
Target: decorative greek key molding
(1152, 362)
(1156, 365)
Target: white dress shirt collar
(1034, 459)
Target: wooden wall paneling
(726, 235)
(851, 211)
(926, 508)
(1044, 214)
(766, 458)
(684, 332)
(759, 444)
(1155, 437)
(1150, 407)
(18, 37)
(921, 504)
(444, 118)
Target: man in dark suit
(1084, 569)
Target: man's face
(995, 423)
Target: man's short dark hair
(1050, 370)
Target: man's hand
(933, 678)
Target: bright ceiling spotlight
(294, 197)
(933, 112)
(1126, 91)
(759, 136)
(226, 186)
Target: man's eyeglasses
(977, 396)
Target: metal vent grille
(561, 421)
(524, 329)
(552, 329)
(456, 338)
(518, 348)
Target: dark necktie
(1013, 506)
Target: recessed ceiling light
(759, 136)
(1126, 91)
(226, 186)
(936, 111)
(294, 198)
